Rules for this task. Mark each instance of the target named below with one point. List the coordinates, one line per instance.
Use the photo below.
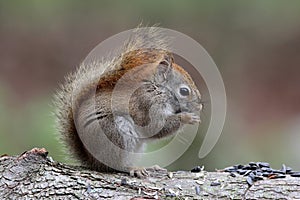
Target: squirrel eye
(184, 91)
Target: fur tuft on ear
(164, 69)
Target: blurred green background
(255, 44)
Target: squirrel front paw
(189, 118)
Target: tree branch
(33, 175)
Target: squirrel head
(179, 83)
(164, 82)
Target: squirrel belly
(108, 111)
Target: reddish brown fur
(137, 58)
(183, 73)
(129, 61)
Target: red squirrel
(164, 99)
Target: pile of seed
(260, 170)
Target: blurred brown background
(255, 44)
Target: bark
(34, 175)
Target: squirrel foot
(138, 172)
(146, 172)
(189, 118)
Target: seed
(295, 174)
(289, 169)
(265, 174)
(275, 176)
(277, 171)
(241, 171)
(249, 181)
(272, 176)
(246, 167)
(256, 171)
(240, 166)
(283, 168)
(230, 169)
(88, 189)
(215, 183)
(253, 167)
(265, 169)
(257, 178)
(197, 188)
(252, 175)
(250, 167)
(247, 172)
(196, 169)
(281, 176)
(123, 181)
(259, 173)
(263, 164)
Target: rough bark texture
(33, 175)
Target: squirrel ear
(164, 69)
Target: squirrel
(124, 102)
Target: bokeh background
(255, 44)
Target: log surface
(34, 175)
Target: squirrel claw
(156, 168)
(189, 118)
(139, 173)
(146, 172)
